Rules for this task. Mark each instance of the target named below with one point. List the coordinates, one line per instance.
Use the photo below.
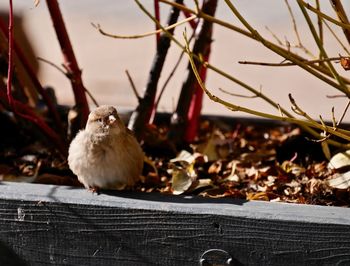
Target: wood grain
(46, 225)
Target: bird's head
(105, 120)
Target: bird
(105, 155)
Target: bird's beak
(111, 119)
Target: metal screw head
(217, 257)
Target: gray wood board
(45, 224)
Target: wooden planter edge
(43, 224)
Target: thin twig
(344, 113)
(296, 109)
(331, 68)
(193, 23)
(198, 9)
(308, 62)
(314, 69)
(238, 95)
(289, 117)
(333, 118)
(68, 75)
(319, 24)
(228, 76)
(234, 107)
(287, 55)
(295, 28)
(335, 124)
(336, 96)
(326, 17)
(280, 110)
(92, 98)
(323, 123)
(336, 37)
(172, 72)
(133, 85)
(274, 36)
(65, 73)
(142, 35)
(339, 9)
(206, 64)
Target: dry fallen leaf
(215, 167)
(257, 196)
(215, 146)
(190, 158)
(314, 186)
(345, 63)
(202, 183)
(340, 182)
(339, 160)
(270, 181)
(292, 168)
(17, 178)
(184, 156)
(182, 178)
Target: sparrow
(105, 155)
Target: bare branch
(295, 28)
(344, 113)
(64, 72)
(324, 16)
(142, 35)
(339, 9)
(275, 36)
(238, 95)
(335, 96)
(293, 22)
(133, 85)
(319, 24)
(69, 76)
(336, 37)
(296, 109)
(309, 62)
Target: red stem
(194, 111)
(26, 112)
(195, 108)
(33, 77)
(157, 16)
(18, 107)
(186, 116)
(192, 23)
(10, 57)
(70, 61)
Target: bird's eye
(99, 120)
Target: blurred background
(104, 60)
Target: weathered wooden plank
(68, 226)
